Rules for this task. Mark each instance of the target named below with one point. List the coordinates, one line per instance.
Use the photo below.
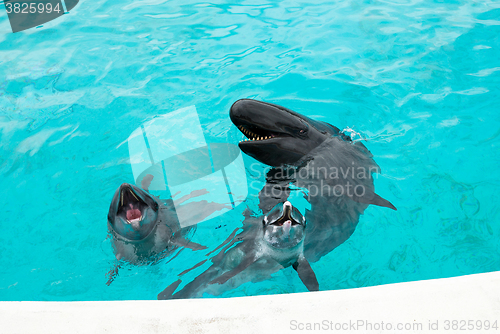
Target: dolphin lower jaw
(265, 152)
(138, 229)
(135, 223)
(279, 239)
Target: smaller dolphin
(143, 227)
(265, 245)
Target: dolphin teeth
(134, 195)
(135, 220)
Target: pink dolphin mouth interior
(133, 213)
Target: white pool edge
(429, 303)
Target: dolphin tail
(169, 290)
(306, 274)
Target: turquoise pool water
(418, 79)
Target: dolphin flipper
(169, 290)
(228, 239)
(180, 240)
(306, 274)
(193, 245)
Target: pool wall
(419, 307)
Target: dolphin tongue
(133, 213)
(286, 228)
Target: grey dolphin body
(264, 245)
(316, 156)
(143, 226)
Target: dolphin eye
(302, 132)
(302, 129)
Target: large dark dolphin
(264, 245)
(143, 226)
(316, 156)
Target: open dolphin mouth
(131, 207)
(256, 133)
(133, 213)
(284, 226)
(289, 217)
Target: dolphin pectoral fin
(228, 239)
(192, 268)
(306, 274)
(183, 242)
(169, 291)
(195, 246)
(375, 200)
(233, 272)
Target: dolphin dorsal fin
(375, 200)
